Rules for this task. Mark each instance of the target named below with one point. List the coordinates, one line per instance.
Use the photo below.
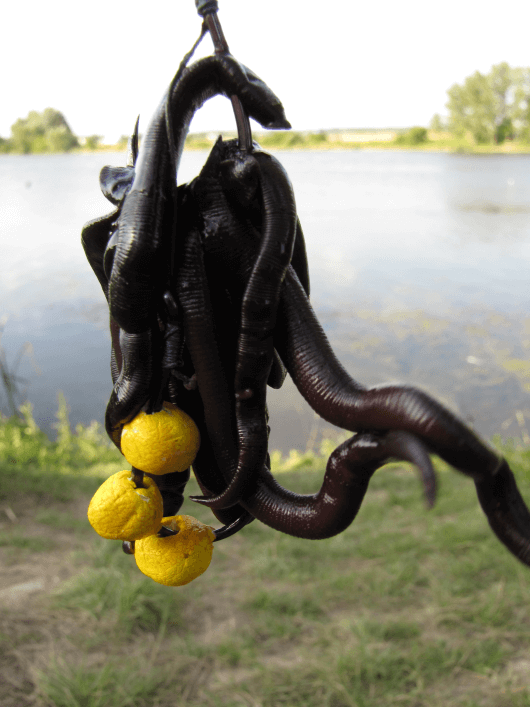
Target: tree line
(45, 132)
(489, 108)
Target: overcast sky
(333, 64)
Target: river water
(419, 269)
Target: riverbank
(387, 140)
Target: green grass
(116, 684)
(109, 588)
(33, 466)
(406, 607)
(128, 605)
(61, 520)
(19, 541)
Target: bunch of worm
(207, 286)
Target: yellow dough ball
(162, 442)
(121, 511)
(177, 559)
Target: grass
(129, 605)
(115, 684)
(20, 541)
(407, 607)
(32, 465)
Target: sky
(334, 64)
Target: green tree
(502, 80)
(123, 142)
(491, 107)
(92, 142)
(472, 109)
(42, 132)
(414, 136)
(437, 123)
(521, 104)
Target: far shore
(374, 139)
(385, 139)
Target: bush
(23, 444)
(414, 136)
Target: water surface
(418, 261)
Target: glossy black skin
(139, 272)
(239, 279)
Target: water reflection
(418, 264)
